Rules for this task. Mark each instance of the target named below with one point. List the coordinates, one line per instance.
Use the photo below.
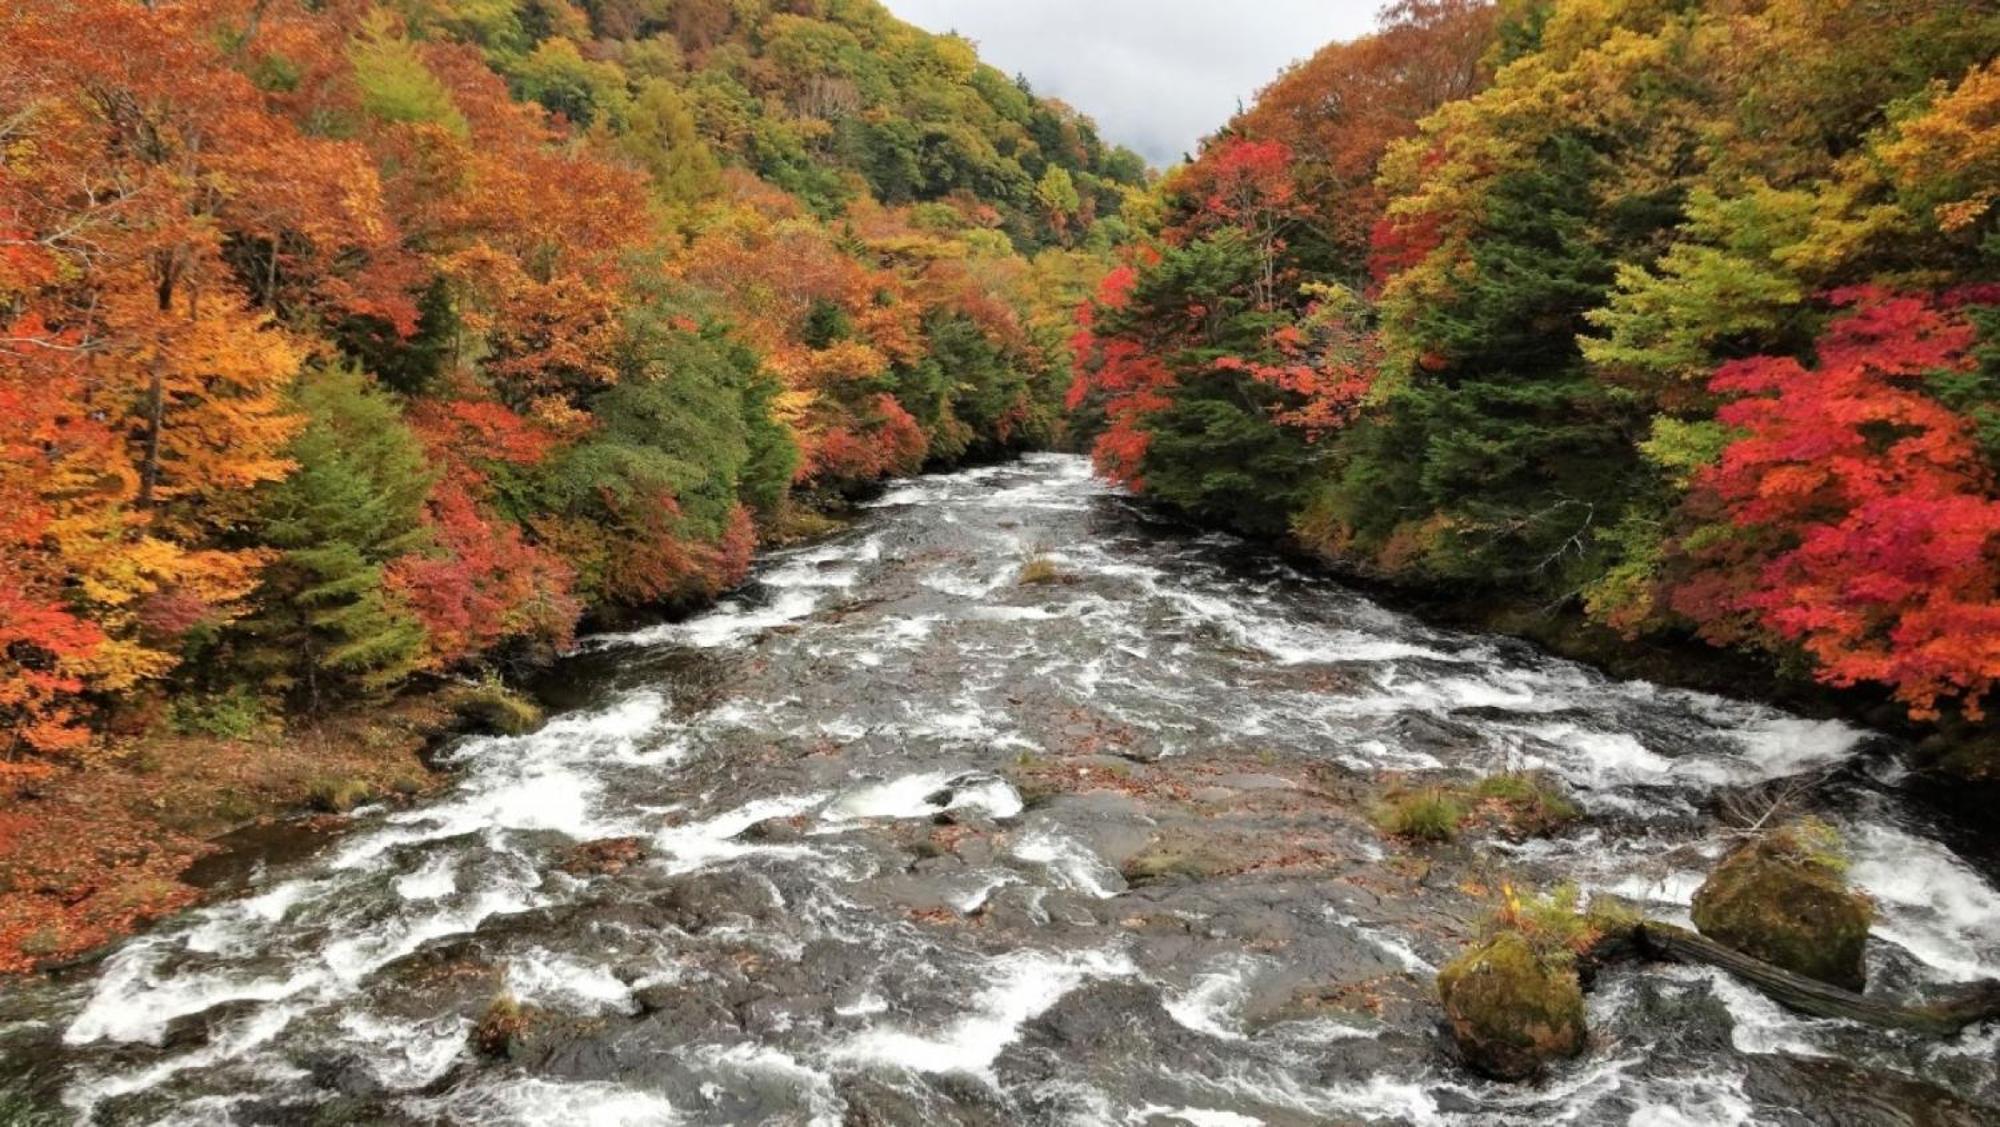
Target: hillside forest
(1681, 316)
(351, 343)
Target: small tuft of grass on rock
(1041, 571)
(1432, 814)
(1535, 806)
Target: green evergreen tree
(329, 628)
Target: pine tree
(330, 628)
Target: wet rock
(604, 857)
(1097, 1017)
(1510, 1010)
(344, 1074)
(1172, 859)
(678, 1001)
(700, 902)
(775, 831)
(1784, 899)
(1255, 782)
(1829, 1090)
(871, 1102)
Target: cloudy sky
(1156, 74)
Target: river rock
(607, 856)
(1784, 898)
(1510, 1010)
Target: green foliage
(1041, 571)
(395, 84)
(409, 365)
(662, 136)
(1215, 451)
(1431, 814)
(1550, 923)
(558, 76)
(1783, 897)
(355, 502)
(1513, 455)
(338, 795)
(1510, 1009)
(492, 707)
(1724, 289)
(233, 714)
(1535, 804)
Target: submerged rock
(1784, 899)
(1510, 1010)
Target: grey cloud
(1158, 75)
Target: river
(889, 800)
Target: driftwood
(1667, 943)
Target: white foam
(1020, 986)
(134, 1001)
(697, 845)
(227, 1045)
(1196, 1116)
(438, 877)
(1073, 864)
(529, 1102)
(1378, 1097)
(555, 981)
(1780, 745)
(1209, 1003)
(235, 926)
(1929, 902)
(404, 1054)
(914, 796)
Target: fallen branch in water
(1668, 943)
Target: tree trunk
(156, 410)
(1668, 943)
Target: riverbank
(99, 848)
(1960, 754)
(93, 852)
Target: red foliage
(1341, 109)
(1237, 182)
(485, 585)
(1866, 527)
(36, 639)
(892, 444)
(482, 429)
(1132, 382)
(1396, 244)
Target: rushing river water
(889, 798)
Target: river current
(923, 844)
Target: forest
(721, 561)
(351, 343)
(1681, 316)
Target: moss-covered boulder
(493, 708)
(1511, 1010)
(1783, 898)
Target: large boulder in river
(1512, 1010)
(1783, 898)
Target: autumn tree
(1858, 519)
